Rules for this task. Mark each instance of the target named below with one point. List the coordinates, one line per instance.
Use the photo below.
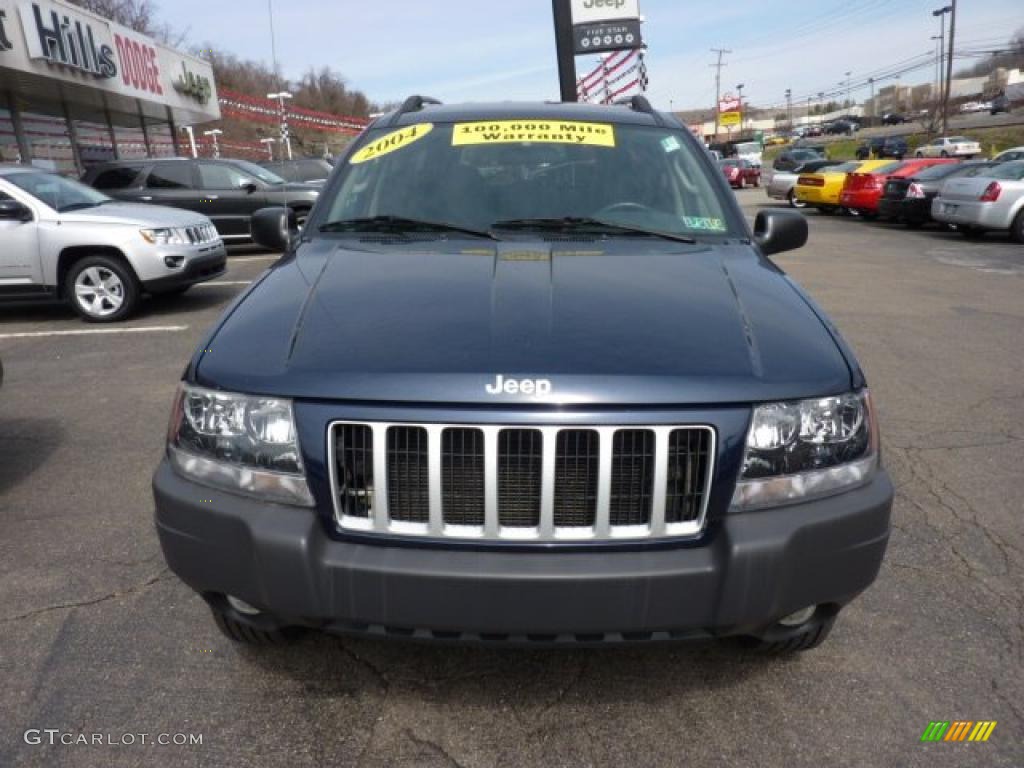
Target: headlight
(807, 449)
(238, 443)
(165, 236)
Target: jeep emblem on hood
(503, 386)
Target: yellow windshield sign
(541, 131)
(392, 142)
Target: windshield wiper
(583, 222)
(401, 224)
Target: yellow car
(821, 190)
(776, 141)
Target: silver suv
(62, 239)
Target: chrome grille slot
(688, 457)
(462, 476)
(576, 470)
(519, 477)
(355, 470)
(534, 483)
(408, 472)
(632, 477)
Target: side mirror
(270, 228)
(12, 210)
(249, 187)
(778, 231)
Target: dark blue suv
(525, 376)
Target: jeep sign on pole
(590, 11)
(605, 25)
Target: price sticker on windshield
(392, 142)
(539, 131)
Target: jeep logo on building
(503, 386)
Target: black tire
(868, 216)
(912, 223)
(918, 154)
(128, 292)
(805, 641)
(301, 214)
(1017, 228)
(944, 153)
(972, 233)
(246, 634)
(793, 202)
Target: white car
(976, 106)
(949, 146)
(63, 240)
(1013, 153)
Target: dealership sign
(729, 103)
(72, 42)
(605, 25)
(61, 42)
(592, 11)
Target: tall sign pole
(949, 69)
(564, 47)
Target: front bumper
(744, 574)
(207, 265)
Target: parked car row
(972, 196)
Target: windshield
(748, 148)
(938, 171)
(259, 172)
(477, 174)
(842, 168)
(958, 140)
(59, 193)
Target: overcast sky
(461, 50)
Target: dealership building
(76, 89)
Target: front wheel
(810, 638)
(791, 198)
(251, 633)
(943, 153)
(102, 289)
(918, 154)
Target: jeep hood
(608, 323)
(135, 214)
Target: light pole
(871, 82)
(213, 135)
(191, 139)
(269, 144)
(285, 137)
(739, 92)
(848, 87)
(941, 13)
(789, 107)
(821, 106)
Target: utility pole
(848, 87)
(789, 107)
(871, 82)
(940, 99)
(739, 95)
(718, 81)
(562, 10)
(949, 69)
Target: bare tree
(139, 15)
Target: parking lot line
(95, 332)
(242, 259)
(223, 282)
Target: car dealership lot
(99, 638)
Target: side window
(117, 178)
(170, 176)
(218, 176)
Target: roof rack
(640, 103)
(412, 104)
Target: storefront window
(131, 142)
(49, 142)
(161, 142)
(9, 152)
(94, 142)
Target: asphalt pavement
(99, 641)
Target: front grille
(513, 483)
(200, 233)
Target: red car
(862, 191)
(740, 173)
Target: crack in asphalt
(161, 576)
(433, 746)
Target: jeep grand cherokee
(526, 376)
